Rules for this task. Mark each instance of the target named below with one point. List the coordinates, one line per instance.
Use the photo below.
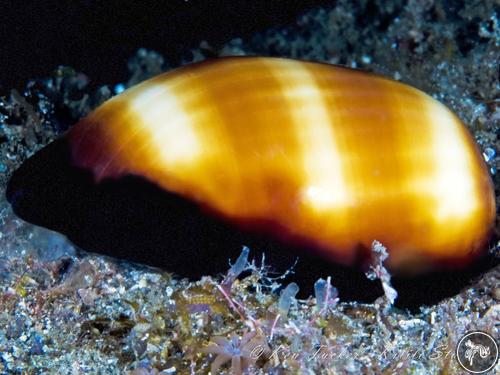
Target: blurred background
(98, 37)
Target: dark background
(98, 37)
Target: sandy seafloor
(69, 312)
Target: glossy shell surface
(322, 155)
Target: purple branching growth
(268, 282)
(378, 271)
(262, 271)
(224, 287)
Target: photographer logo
(477, 352)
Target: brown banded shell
(324, 155)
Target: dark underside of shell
(130, 218)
